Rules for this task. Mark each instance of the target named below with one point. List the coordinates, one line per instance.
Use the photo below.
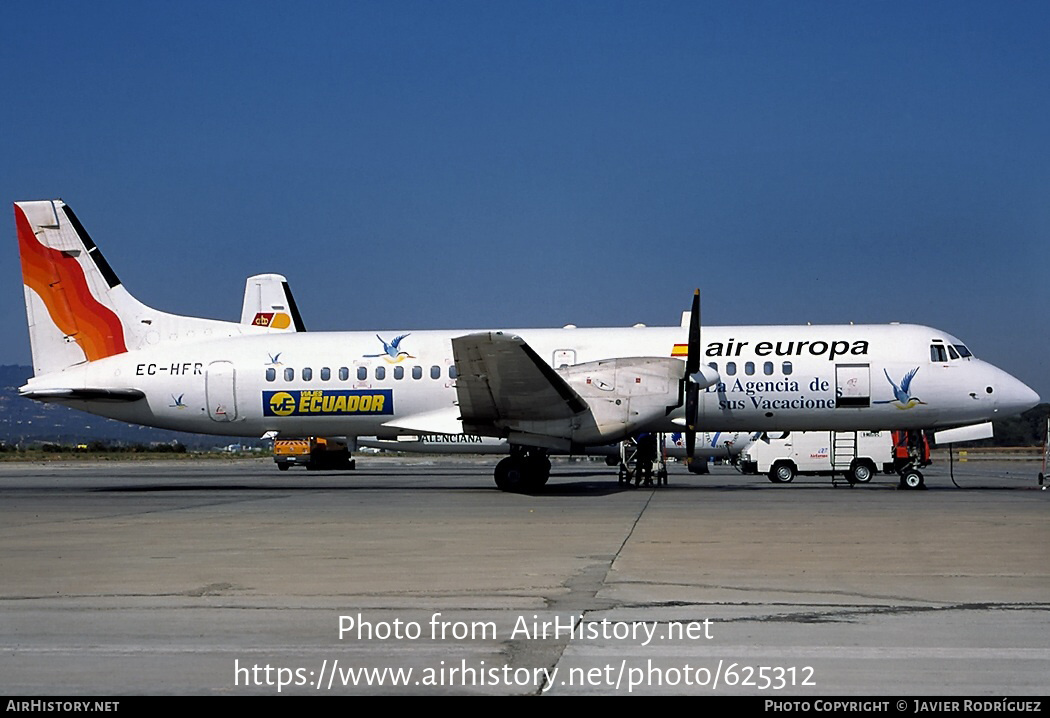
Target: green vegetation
(104, 451)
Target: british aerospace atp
(98, 349)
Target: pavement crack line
(579, 600)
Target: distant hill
(23, 421)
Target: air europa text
(832, 349)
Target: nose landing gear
(912, 479)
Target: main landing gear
(525, 470)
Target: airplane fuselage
(849, 377)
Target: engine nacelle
(623, 395)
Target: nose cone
(1014, 396)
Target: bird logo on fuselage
(903, 398)
(392, 351)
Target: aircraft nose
(1014, 396)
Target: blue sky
(502, 164)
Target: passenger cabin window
(399, 372)
(362, 373)
(937, 353)
(417, 372)
(452, 371)
(731, 368)
(308, 374)
(289, 374)
(380, 373)
(788, 368)
(749, 368)
(767, 368)
(344, 373)
(326, 373)
(435, 372)
(271, 374)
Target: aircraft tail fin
(77, 308)
(268, 302)
(67, 284)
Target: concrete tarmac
(416, 576)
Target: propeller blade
(692, 400)
(692, 364)
(692, 389)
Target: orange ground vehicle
(313, 452)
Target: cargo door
(221, 391)
(852, 385)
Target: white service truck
(857, 455)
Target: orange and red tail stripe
(60, 282)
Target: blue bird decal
(902, 394)
(392, 351)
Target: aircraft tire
(537, 472)
(860, 473)
(912, 479)
(510, 475)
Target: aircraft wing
(501, 382)
(441, 421)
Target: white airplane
(98, 349)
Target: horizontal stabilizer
(106, 395)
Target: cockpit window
(937, 353)
(952, 353)
(963, 351)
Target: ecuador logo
(323, 402)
